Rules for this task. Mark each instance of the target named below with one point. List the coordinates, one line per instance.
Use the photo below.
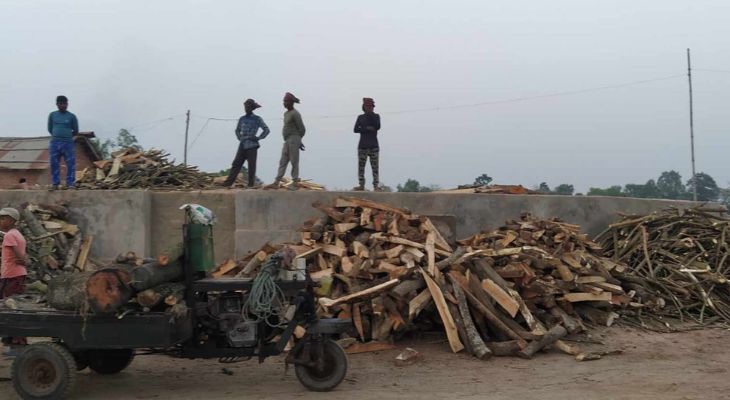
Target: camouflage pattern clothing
(362, 159)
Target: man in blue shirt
(62, 125)
(246, 130)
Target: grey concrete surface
(149, 221)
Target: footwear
(53, 188)
(377, 189)
(293, 186)
(72, 187)
(359, 188)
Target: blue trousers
(65, 149)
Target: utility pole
(691, 129)
(187, 127)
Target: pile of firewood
(492, 189)
(678, 261)
(128, 283)
(130, 169)
(513, 291)
(54, 245)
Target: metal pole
(187, 126)
(691, 129)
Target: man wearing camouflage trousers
(368, 125)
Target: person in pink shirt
(12, 269)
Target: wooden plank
(418, 303)
(589, 279)
(443, 309)
(394, 252)
(84, 252)
(615, 289)
(363, 203)
(417, 254)
(224, 268)
(501, 297)
(360, 250)
(365, 216)
(439, 240)
(578, 297)
(309, 253)
(345, 227)
(334, 250)
(357, 348)
(431, 252)
(357, 320)
(361, 295)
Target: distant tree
(669, 186)
(103, 148)
(648, 190)
(725, 197)
(707, 189)
(564, 189)
(483, 180)
(543, 188)
(412, 185)
(610, 191)
(125, 139)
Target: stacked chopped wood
(492, 189)
(513, 291)
(130, 169)
(304, 184)
(54, 245)
(678, 261)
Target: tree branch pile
(678, 261)
(132, 169)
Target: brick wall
(9, 179)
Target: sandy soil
(689, 365)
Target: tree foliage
(412, 185)
(564, 189)
(707, 189)
(669, 186)
(483, 180)
(609, 191)
(124, 139)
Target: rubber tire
(337, 357)
(109, 361)
(57, 357)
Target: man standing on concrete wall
(368, 125)
(248, 146)
(62, 125)
(293, 132)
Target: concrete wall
(119, 220)
(148, 221)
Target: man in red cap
(368, 125)
(248, 126)
(293, 132)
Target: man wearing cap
(12, 267)
(293, 132)
(62, 125)
(368, 125)
(248, 126)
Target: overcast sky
(126, 63)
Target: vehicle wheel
(335, 368)
(44, 370)
(109, 361)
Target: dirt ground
(689, 365)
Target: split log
(157, 295)
(359, 296)
(446, 318)
(253, 263)
(573, 325)
(173, 253)
(504, 349)
(553, 335)
(153, 274)
(478, 347)
(73, 253)
(67, 292)
(84, 252)
(597, 316)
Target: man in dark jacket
(368, 125)
(63, 126)
(246, 130)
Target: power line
(711, 70)
(157, 121)
(200, 132)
